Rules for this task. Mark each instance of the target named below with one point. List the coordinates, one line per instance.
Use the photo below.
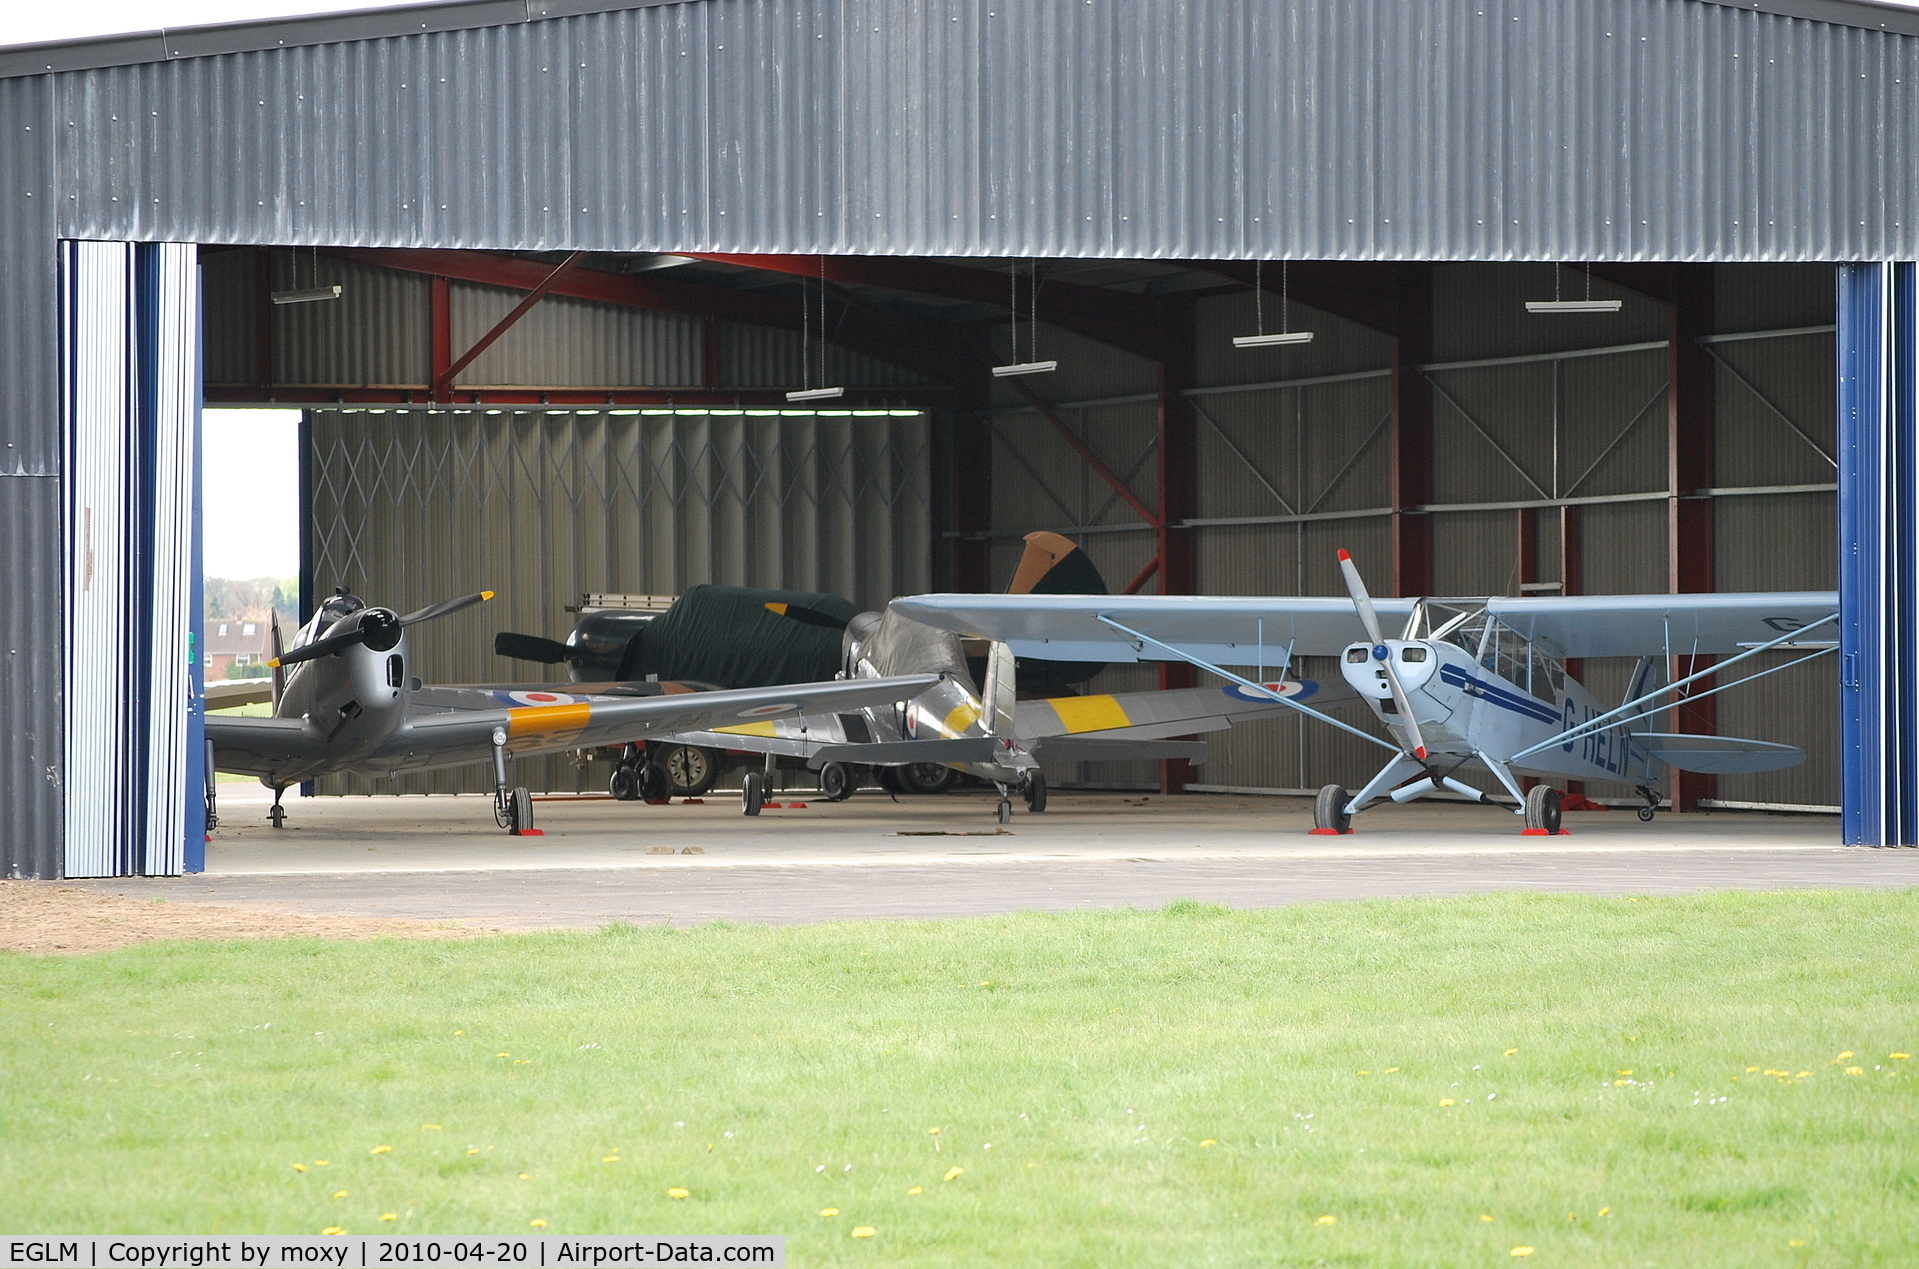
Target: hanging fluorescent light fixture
(1286, 335)
(816, 394)
(809, 392)
(1035, 366)
(307, 296)
(1587, 305)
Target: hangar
(585, 248)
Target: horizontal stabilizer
(1718, 755)
(1095, 749)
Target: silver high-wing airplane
(352, 704)
(1467, 680)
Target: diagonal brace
(443, 385)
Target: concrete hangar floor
(441, 859)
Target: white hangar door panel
(131, 400)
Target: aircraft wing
(262, 746)
(1240, 631)
(1154, 715)
(1650, 625)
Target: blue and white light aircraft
(1467, 681)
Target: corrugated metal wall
(542, 505)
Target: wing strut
(1261, 688)
(1606, 719)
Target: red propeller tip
(1343, 555)
(1420, 753)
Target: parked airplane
(1467, 679)
(351, 704)
(734, 634)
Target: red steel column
(1412, 429)
(439, 330)
(1689, 515)
(1178, 465)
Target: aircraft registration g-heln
(352, 704)
(1466, 681)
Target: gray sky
(251, 498)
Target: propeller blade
(807, 616)
(1054, 565)
(529, 648)
(1381, 653)
(445, 607)
(320, 648)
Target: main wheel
(752, 793)
(1645, 815)
(624, 784)
(927, 777)
(836, 782)
(654, 783)
(1033, 789)
(1329, 809)
(691, 769)
(1004, 813)
(1542, 808)
(519, 810)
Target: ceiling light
(821, 394)
(1025, 368)
(307, 296)
(1572, 306)
(1273, 341)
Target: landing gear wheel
(1005, 812)
(624, 784)
(1542, 808)
(1645, 815)
(927, 777)
(654, 783)
(752, 793)
(519, 810)
(1329, 810)
(278, 815)
(836, 782)
(1652, 804)
(691, 769)
(1033, 789)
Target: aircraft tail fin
(1718, 755)
(279, 674)
(996, 701)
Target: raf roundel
(767, 711)
(541, 698)
(1295, 690)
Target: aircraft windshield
(336, 606)
(1520, 661)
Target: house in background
(238, 647)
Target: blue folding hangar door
(130, 395)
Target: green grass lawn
(1677, 1082)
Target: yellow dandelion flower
(459, 1033)
(1855, 1070)
(1326, 1220)
(1795, 1242)
(537, 1224)
(526, 1176)
(299, 1167)
(339, 1194)
(1208, 1142)
(474, 1150)
(429, 1127)
(1510, 1052)
(951, 1173)
(610, 1158)
(1365, 1072)
(389, 1216)
(1391, 1069)
(864, 1231)
(1625, 1072)
(1445, 1101)
(677, 1193)
(1487, 1217)
(523, 1061)
(1897, 1056)
(1605, 1211)
(829, 1211)
(918, 1189)
(333, 1229)
(1803, 1074)
(1522, 1251)
(1751, 1069)
(319, 1163)
(1843, 1056)
(381, 1150)
(1572, 1216)
(933, 1132)
(1619, 1083)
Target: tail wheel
(1542, 808)
(1329, 810)
(691, 769)
(752, 793)
(624, 784)
(1005, 811)
(654, 783)
(836, 782)
(1033, 789)
(519, 810)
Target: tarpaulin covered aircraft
(1466, 680)
(352, 704)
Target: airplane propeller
(1381, 653)
(378, 630)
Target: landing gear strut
(1004, 812)
(512, 808)
(277, 813)
(1652, 804)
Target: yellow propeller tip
(485, 595)
(777, 608)
(274, 664)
